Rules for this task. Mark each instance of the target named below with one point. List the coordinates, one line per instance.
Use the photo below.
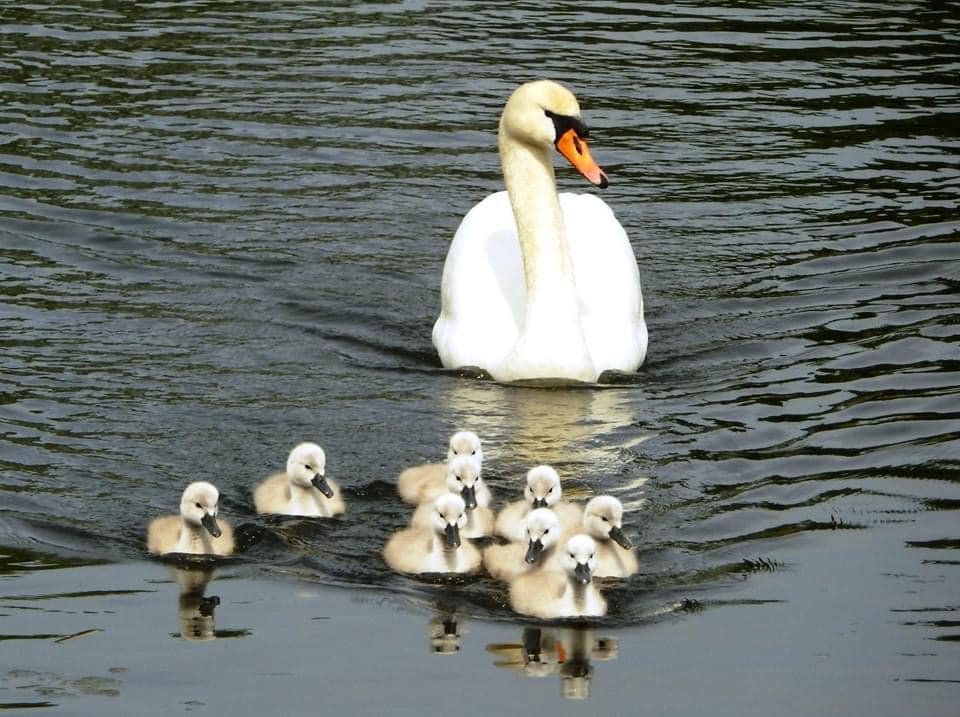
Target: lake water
(222, 228)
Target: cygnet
(423, 483)
(196, 530)
(437, 549)
(506, 562)
(304, 489)
(541, 491)
(463, 479)
(549, 594)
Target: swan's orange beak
(574, 147)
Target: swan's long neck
(551, 339)
(306, 501)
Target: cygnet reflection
(567, 652)
(195, 609)
(445, 631)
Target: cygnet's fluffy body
(303, 489)
(437, 549)
(506, 562)
(196, 531)
(541, 491)
(423, 483)
(549, 594)
(603, 521)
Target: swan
(304, 489)
(506, 562)
(548, 594)
(428, 479)
(196, 531)
(463, 479)
(542, 491)
(437, 549)
(603, 521)
(535, 284)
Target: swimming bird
(425, 482)
(506, 562)
(303, 489)
(541, 491)
(536, 285)
(603, 521)
(548, 594)
(463, 479)
(437, 549)
(196, 531)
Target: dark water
(222, 228)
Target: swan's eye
(473, 452)
(199, 506)
(551, 489)
(571, 556)
(604, 519)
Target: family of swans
(536, 285)
(554, 548)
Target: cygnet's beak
(617, 536)
(534, 550)
(469, 495)
(582, 573)
(539, 503)
(209, 522)
(451, 535)
(320, 483)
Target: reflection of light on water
(569, 428)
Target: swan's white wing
(482, 292)
(608, 283)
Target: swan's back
(273, 494)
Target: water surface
(222, 229)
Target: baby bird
(547, 594)
(437, 549)
(196, 530)
(506, 562)
(603, 521)
(463, 479)
(423, 483)
(303, 489)
(542, 491)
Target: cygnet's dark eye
(547, 530)
(571, 556)
(199, 506)
(473, 452)
(604, 519)
(551, 489)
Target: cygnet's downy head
(198, 506)
(463, 479)
(579, 558)
(465, 443)
(543, 487)
(449, 516)
(307, 466)
(543, 530)
(603, 519)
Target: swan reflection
(194, 608)
(557, 427)
(567, 652)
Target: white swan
(196, 530)
(426, 482)
(506, 562)
(537, 285)
(304, 489)
(548, 594)
(437, 549)
(541, 491)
